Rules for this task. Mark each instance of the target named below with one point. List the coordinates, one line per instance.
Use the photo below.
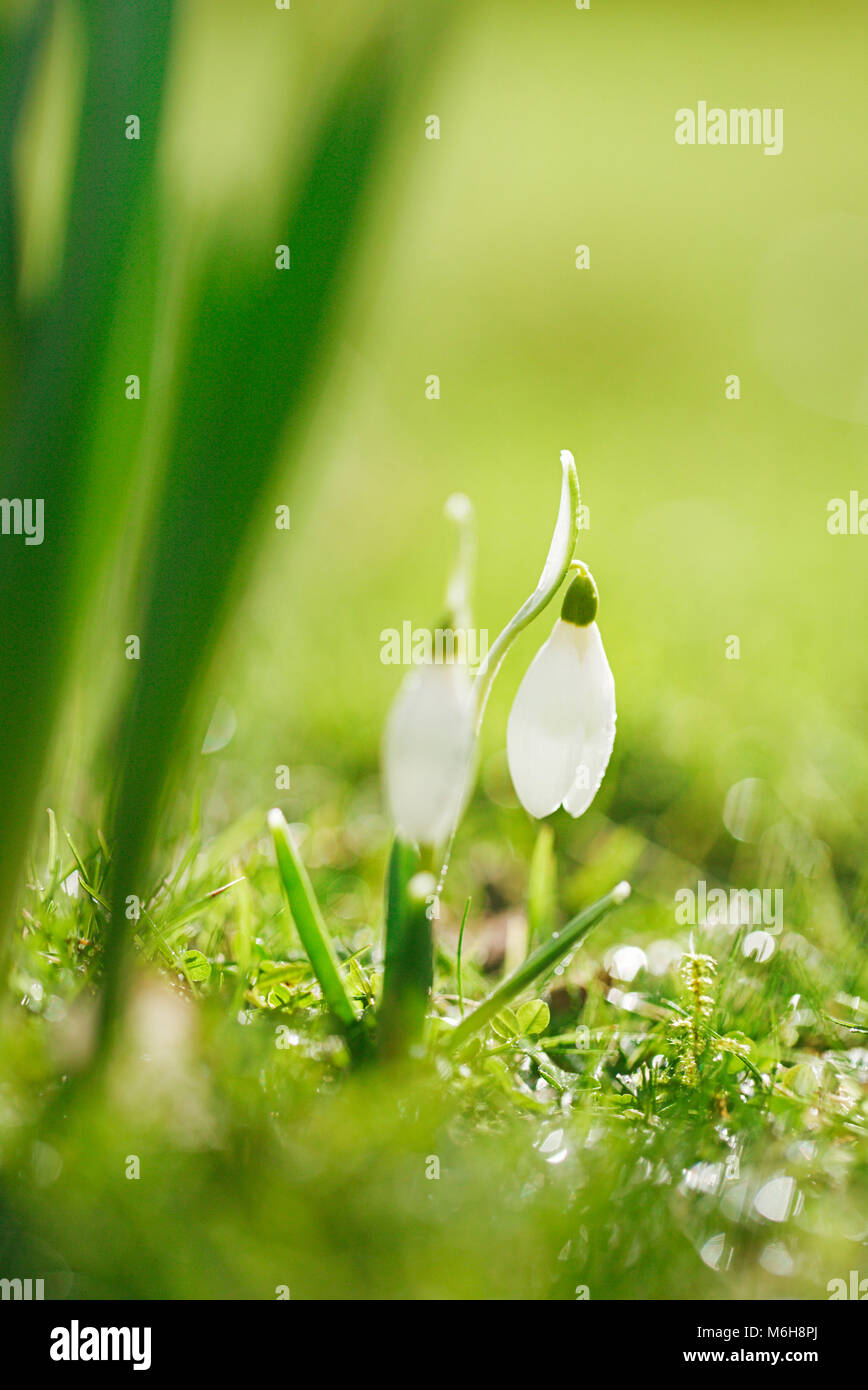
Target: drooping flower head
(561, 728)
(429, 745)
(429, 739)
(428, 752)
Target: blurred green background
(707, 515)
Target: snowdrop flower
(562, 725)
(427, 752)
(430, 738)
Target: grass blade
(539, 962)
(309, 922)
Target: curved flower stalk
(561, 728)
(459, 509)
(557, 564)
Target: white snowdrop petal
(546, 732)
(427, 752)
(598, 702)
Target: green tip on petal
(581, 599)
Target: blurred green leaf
(506, 1025)
(197, 966)
(20, 43)
(62, 350)
(533, 1017)
(256, 342)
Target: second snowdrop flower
(428, 752)
(429, 742)
(561, 727)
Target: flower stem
(557, 563)
(459, 509)
(409, 965)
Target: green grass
(566, 1158)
